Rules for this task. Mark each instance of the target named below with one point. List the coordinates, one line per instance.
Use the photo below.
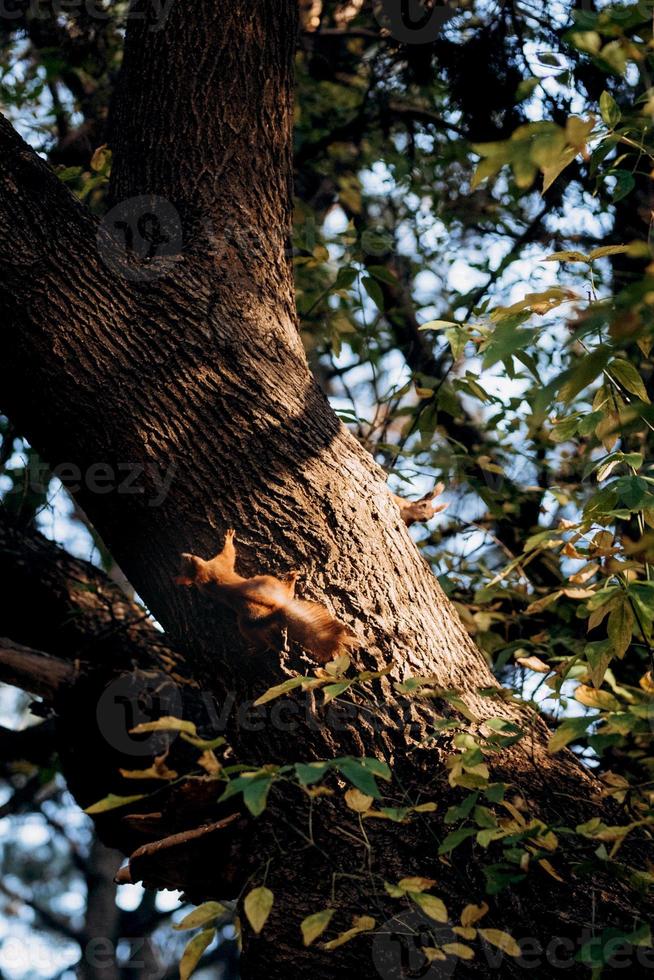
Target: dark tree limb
(32, 744)
(32, 670)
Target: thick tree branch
(217, 143)
(83, 615)
(32, 670)
(32, 744)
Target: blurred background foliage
(475, 287)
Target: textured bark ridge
(189, 378)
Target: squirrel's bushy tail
(314, 627)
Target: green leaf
(631, 490)
(383, 274)
(362, 772)
(332, 691)
(463, 810)
(599, 655)
(625, 183)
(257, 907)
(279, 689)
(507, 338)
(585, 372)
(374, 291)
(314, 925)
(568, 731)
(311, 772)
(254, 787)
(193, 952)
(620, 628)
(455, 838)
(395, 814)
(345, 278)
(526, 88)
(69, 174)
(255, 795)
(627, 375)
(609, 110)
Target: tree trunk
(176, 391)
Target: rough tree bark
(190, 377)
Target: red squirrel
(264, 605)
(420, 511)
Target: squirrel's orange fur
(264, 605)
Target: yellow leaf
(101, 159)
(210, 763)
(473, 913)
(338, 667)
(585, 573)
(314, 925)
(434, 954)
(112, 802)
(165, 724)
(502, 940)
(465, 933)
(460, 950)
(578, 132)
(193, 952)
(257, 906)
(579, 593)
(153, 772)
(416, 884)
(361, 923)
(593, 698)
(647, 682)
(431, 905)
(279, 689)
(358, 801)
(535, 664)
(546, 866)
(541, 604)
(204, 913)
